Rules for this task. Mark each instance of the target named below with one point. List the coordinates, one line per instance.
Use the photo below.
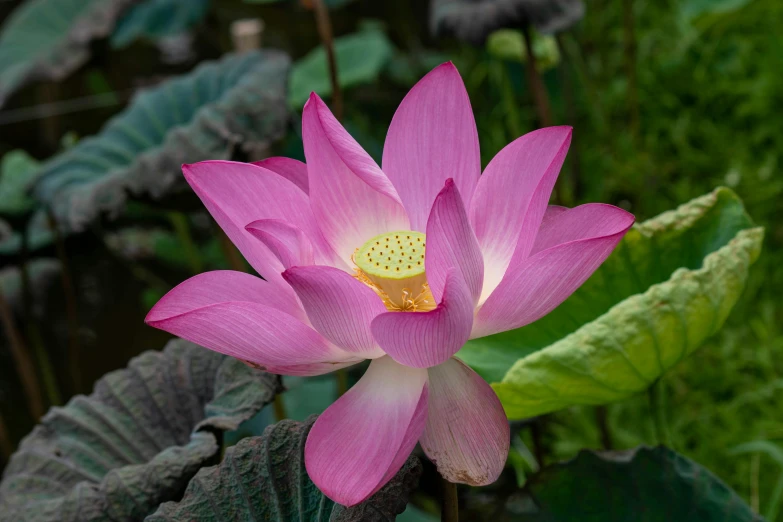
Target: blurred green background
(668, 99)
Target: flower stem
(656, 396)
(324, 24)
(535, 82)
(450, 506)
(602, 421)
(24, 362)
(31, 328)
(629, 44)
(71, 314)
(279, 406)
(182, 228)
(342, 381)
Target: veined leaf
(238, 101)
(264, 478)
(668, 286)
(47, 39)
(136, 441)
(360, 59)
(155, 19)
(643, 485)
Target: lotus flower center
(393, 265)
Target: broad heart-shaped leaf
(155, 19)
(47, 39)
(206, 114)
(360, 59)
(136, 441)
(474, 20)
(264, 478)
(640, 485)
(668, 286)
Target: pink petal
(363, 439)
(287, 242)
(432, 138)
(237, 314)
(220, 286)
(339, 306)
(537, 285)
(293, 170)
(467, 434)
(452, 243)
(424, 339)
(239, 193)
(351, 197)
(511, 198)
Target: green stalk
(6, 446)
(629, 44)
(44, 365)
(601, 419)
(657, 397)
(182, 228)
(450, 501)
(324, 24)
(71, 314)
(25, 367)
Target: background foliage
(668, 100)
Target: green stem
(342, 382)
(450, 501)
(501, 78)
(31, 328)
(6, 446)
(324, 24)
(629, 43)
(279, 406)
(657, 396)
(182, 228)
(230, 252)
(22, 359)
(602, 420)
(71, 314)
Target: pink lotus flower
(341, 244)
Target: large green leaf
(238, 101)
(136, 441)
(360, 59)
(264, 478)
(47, 39)
(155, 19)
(642, 485)
(474, 20)
(667, 287)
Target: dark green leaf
(474, 20)
(628, 320)
(136, 441)
(360, 59)
(238, 101)
(264, 478)
(640, 485)
(47, 39)
(155, 19)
